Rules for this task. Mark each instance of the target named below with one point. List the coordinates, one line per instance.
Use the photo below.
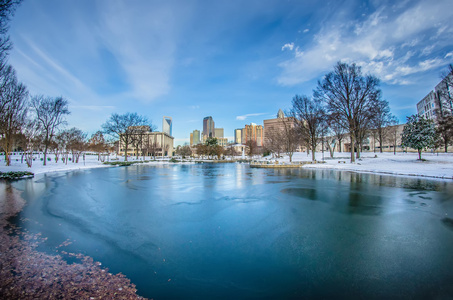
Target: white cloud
(450, 54)
(243, 117)
(289, 46)
(384, 43)
(306, 30)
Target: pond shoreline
(26, 273)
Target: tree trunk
(313, 153)
(45, 155)
(352, 147)
(419, 154)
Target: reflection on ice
(228, 231)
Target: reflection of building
(437, 101)
(218, 132)
(167, 125)
(208, 127)
(149, 143)
(238, 136)
(254, 133)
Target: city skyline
(187, 60)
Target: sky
(237, 61)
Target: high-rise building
(254, 133)
(238, 136)
(191, 139)
(218, 132)
(438, 101)
(167, 125)
(196, 137)
(208, 127)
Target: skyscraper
(167, 125)
(238, 136)
(208, 127)
(196, 137)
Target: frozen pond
(227, 231)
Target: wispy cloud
(243, 117)
(379, 43)
(148, 43)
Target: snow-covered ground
(91, 161)
(437, 165)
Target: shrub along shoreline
(16, 175)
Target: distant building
(276, 124)
(196, 137)
(238, 136)
(222, 141)
(254, 133)
(438, 101)
(191, 139)
(208, 127)
(152, 143)
(218, 132)
(167, 126)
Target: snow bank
(437, 165)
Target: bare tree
(362, 130)
(338, 131)
(151, 146)
(77, 143)
(290, 136)
(309, 116)
(274, 140)
(382, 118)
(97, 143)
(231, 151)
(50, 113)
(349, 94)
(122, 128)
(251, 148)
(13, 110)
(31, 132)
(184, 151)
(139, 139)
(394, 136)
(7, 9)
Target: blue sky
(237, 61)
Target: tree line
(348, 103)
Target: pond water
(227, 231)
